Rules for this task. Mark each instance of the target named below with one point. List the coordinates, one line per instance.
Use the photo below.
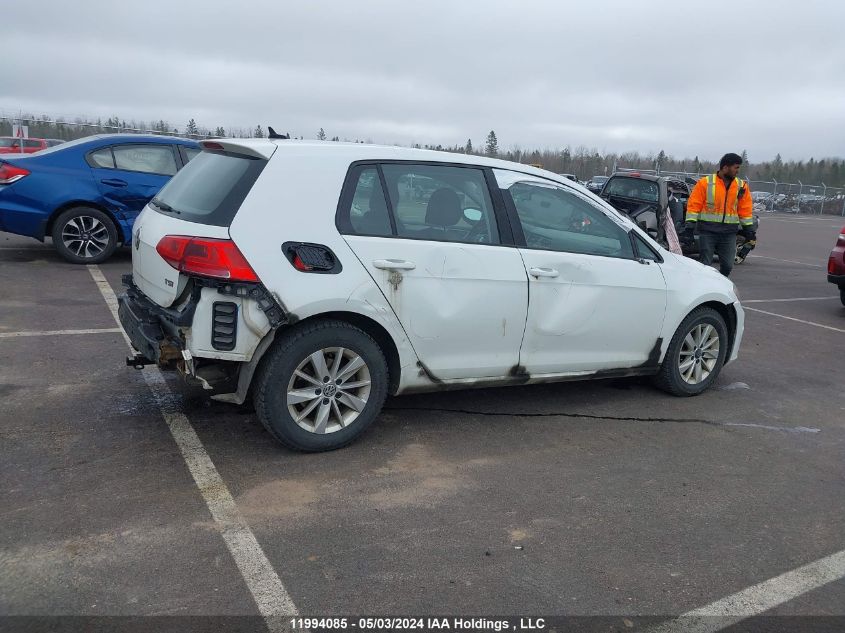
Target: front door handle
(543, 272)
(394, 264)
(114, 182)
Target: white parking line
(758, 598)
(826, 327)
(788, 300)
(102, 330)
(266, 587)
(788, 261)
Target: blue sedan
(86, 194)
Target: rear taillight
(11, 173)
(841, 239)
(831, 266)
(206, 257)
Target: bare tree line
(581, 161)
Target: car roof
(363, 151)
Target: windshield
(209, 189)
(636, 188)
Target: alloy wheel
(85, 236)
(699, 354)
(328, 390)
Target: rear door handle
(114, 182)
(394, 264)
(543, 272)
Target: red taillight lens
(211, 145)
(10, 173)
(206, 257)
(831, 265)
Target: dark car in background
(86, 194)
(649, 200)
(596, 183)
(836, 265)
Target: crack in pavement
(591, 416)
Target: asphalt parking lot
(607, 498)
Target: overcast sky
(691, 78)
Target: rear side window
(29, 143)
(102, 158)
(369, 214)
(210, 189)
(150, 159)
(190, 153)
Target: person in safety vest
(720, 206)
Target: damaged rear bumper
(153, 330)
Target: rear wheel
(695, 355)
(321, 386)
(83, 235)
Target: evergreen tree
(321, 135)
(468, 148)
(492, 146)
(661, 161)
(219, 131)
(259, 133)
(191, 129)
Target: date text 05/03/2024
(467, 625)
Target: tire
(82, 223)
(280, 394)
(705, 325)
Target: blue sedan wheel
(83, 235)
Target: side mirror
(472, 215)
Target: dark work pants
(723, 244)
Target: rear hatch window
(210, 188)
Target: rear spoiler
(257, 148)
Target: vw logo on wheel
(330, 390)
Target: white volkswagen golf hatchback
(316, 278)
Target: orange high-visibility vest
(710, 201)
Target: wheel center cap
(330, 389)
(698, 353)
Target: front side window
(644, 251)
(150, 159)
(30, 143)
(442, 203)
(557, 220)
